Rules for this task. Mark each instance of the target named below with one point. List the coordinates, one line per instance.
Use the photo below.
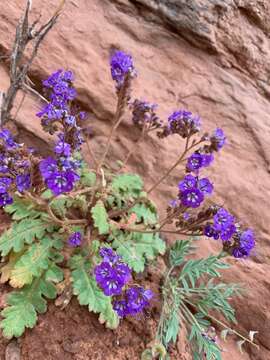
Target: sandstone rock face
(210, 56)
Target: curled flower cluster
(215, 222)
(192, 190)
(203, 157)
(121, 66)
(223, 226)
(143, 115)
(14, 167)
(112, 275)
(60, 173)
(183, 123)
(236, 241)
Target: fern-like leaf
(23, 232)
(128, 185)
(88, 292)
(24, 305)
(135, 248)
(179, 251)
(194, 269)
(21, 209)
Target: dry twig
(25, 33)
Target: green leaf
(128, 185)
(60, 205)
(136, 247)
(146, 213)
(24, 306)
(100, 218)
(88, 292)
(88, 178)
(23, 232)
(32, 263)
(179, 251)
(22, 208)
(47, 194)
(54, 274)
(194, 269)
(172, 327)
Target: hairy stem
(180, 159)
(121, 102)
(133, 149)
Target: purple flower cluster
(218, 139)
(244, 244)
(75, 239)
(183, 123)
(235, 241)
(133, 301)
(14, 167)
(192, 190)
(60, 173)
(121, 66)
(204, 156)
(223, 226)
(143, 115)
(59, 112)
(112, 275)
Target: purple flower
(48, 167)
(70, 120)
(112, 273)
(222, 220)
(137, 299)
(228, 232)
(120, 307)
(192, 198)
(205, 186)
(218, 139)
(174, 203)
(103, 271)
(244, 244)
(186, 216)
(207, 159)
(113, 285)
(75, 239)
(195, 162)
(5, 183)
(109, 255)
(188, 182)
(62, 148)
(209, 231)
(8, 140)
(61, 182)
(5, 199)
(182, 122)
(121, 65)
(23, 182)
(123, 271)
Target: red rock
(212, 57)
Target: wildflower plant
(90, 228)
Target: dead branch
(25, 33)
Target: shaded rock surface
(210, 56)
